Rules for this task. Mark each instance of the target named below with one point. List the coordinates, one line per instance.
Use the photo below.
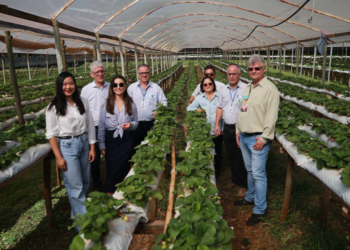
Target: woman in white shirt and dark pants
(71, 132)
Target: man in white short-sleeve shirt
(96, 94)
(146, 95)
(228, 109)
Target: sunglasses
(212, 74)
(207, 84)
(99, 72)
(256, 68)
(115, 85)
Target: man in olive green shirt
(255, 131)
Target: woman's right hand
(61, 164)
(103, 151)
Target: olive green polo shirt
(261, 104)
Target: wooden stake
(3, 69)
(324, 62)
(114, 62)
(47, 188)
(169, 212)
(36, 68)
(121, 56)
(13, 78)
(297, 53)
(287, 189)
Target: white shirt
(146, 100)
(96, 97)
(72, 124)
(219, 88)
(230, 109)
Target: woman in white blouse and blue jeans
(71, 132)
(118, 118)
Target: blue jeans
(255, 163)
(95, 165)
(75, 152)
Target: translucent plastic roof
(175, 24)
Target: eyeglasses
(232, 74)
(207, 84)
(99, 72)
(143, 73)
(212, 74)
(256, 68)
(115, 85)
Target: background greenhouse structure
(306, 46)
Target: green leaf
(77, 243)
(192, 240)
(157, 194)
(160, 238)
(196, 206)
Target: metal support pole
(268, 58)
(28, 66)
(136, 65)
(144, 55)
(85, 62)
(313, 65)
(291, 67)
(241, 56)
(161, 60)
(152, 61)
(157, 63)
(58, 46)
(94, 53)
(75, 65)
(302, 59)
(297, 53)
(114, 62)
(127, 66)
(98, 47)
(330, 63)
(324, 62)
(121, 56)
(284, 60)
(13, 78)
(280, 54)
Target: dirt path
(199, 74)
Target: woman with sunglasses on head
(208, 100)
(118, 117)
(71, 132)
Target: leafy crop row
(200, 224)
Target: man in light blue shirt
(228, 109)
(146, 95)
(96, 94)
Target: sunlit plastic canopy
(175, 24)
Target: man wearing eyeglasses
(96, 93)
(228, 109)
(255, 131)
(209, 70)
(146, 95)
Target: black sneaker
(243, 202)
(254, 219)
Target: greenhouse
(129, 124)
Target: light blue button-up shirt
(151, 97)
(96, 97)
(209, 107)
(115, 121)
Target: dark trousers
(141, 131)
(218, 153)
(238, 171)
(118, 155)
(95, 165)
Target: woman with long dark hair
(71, 132)
(208, 101)
(118, 117)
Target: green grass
(302, 228)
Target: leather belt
(71, 136)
